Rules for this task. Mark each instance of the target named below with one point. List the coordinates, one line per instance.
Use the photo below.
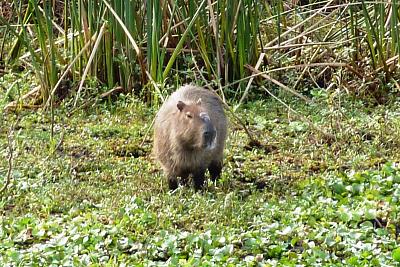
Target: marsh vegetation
(311, 168)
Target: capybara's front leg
(198, 179)
(215, 169)
(172, 182)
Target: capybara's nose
(207, 134)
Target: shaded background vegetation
(76, 47)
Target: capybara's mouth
(211, 142)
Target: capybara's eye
(189, 115)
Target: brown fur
(180, 144)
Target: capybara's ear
(180, 105)
(198, 101)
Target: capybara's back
(189, 135)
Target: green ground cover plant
(99, 199)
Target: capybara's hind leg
(198, 179)
(215, 169)
(184, 178)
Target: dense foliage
(147, 47)
(80, 82)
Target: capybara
(189, 135)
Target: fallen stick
(266, 76)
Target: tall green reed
(149, 43)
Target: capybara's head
(194, 128)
